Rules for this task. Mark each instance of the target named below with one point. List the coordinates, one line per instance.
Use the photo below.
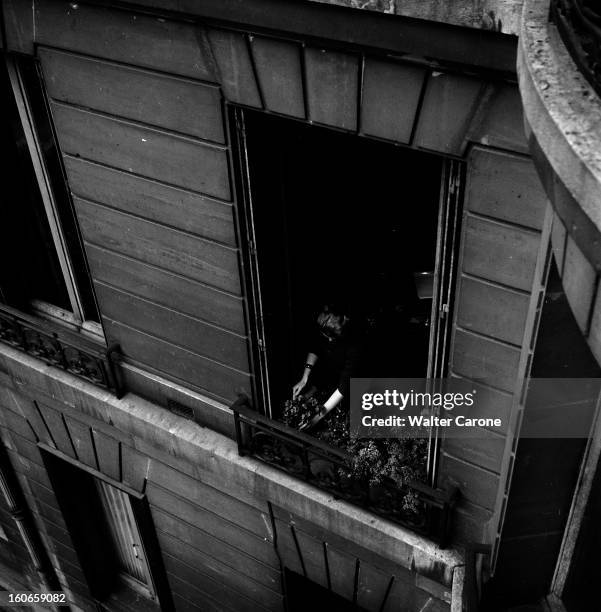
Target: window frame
(449, 224)
(157, 590)
(74, 319)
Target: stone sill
(562, 111)
(201, 451)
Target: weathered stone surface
(499, 15)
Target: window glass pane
(29, 266)
(52, 158)
(124, 532)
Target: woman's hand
(300, 385)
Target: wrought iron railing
(329, 468)
(579, 23)
(61, 348)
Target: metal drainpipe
(13, 496)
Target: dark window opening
(109, 529)
(304, 594)
(30, 266)
(332, 217)
(41, 247)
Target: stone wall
(500, 15)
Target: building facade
(183, 174)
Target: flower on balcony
(382, 463)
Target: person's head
(332, 321)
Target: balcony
(413, 505)
(559, 78)
(579, 24)
(61, 348)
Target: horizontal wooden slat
(153, 386)
(449, 103)
(47, 512)
(235, 69)
(187, 597)
(179, 363)
(254, 544)
(390, 96)
(229, 554)
(132, 38)
(27, 449)
(65, 553)
(477, 486)
(506, 187)
(17, 424)
(30, 411)
(484, 360)
(486, 450)
(149, 242)
(180, 209)
(71, 573)
(58, 534)
(500, 253)
(166, 288)
(279, 72)
(44, 494)
(200, 499)
(470, 523)
(29, 469)
(332, 80)
(183, 605)
(579, 282)
(181, 330)
(217, 589)
(492, 310)
(172, 103)
(260, 581)
(152, 153)
(236, 505)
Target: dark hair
(333, 319)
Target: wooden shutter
(501, 275)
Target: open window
(44, 271)
(112, 533)
(331, 214)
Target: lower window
(106, 524)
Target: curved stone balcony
(562, 115)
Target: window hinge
(444, 311)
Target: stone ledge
(499, 15)
(155, 430)
(563, 112)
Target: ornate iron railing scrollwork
(329, 468)
(579, 23)
(62, 348)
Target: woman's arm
(329, 405)
(302, 383)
